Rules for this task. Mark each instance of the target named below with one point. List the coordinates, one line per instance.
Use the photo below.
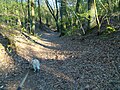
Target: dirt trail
(67, 63)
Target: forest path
(67, 63)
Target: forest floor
(89, 62)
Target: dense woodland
(77, 43)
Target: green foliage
(83, 16)
(24, 30)
(9, 49)
(45, 14)
(12, 10)
(38, 35)
(109, 30)
(70, 31)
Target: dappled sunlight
(6, 62)
(12, 85)
(62, 61)
(23, 51)
(57, 73)
(28, 49)
(2, 26)
(59, 45)
(7, 70)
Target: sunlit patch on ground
(7, 66)
(28, 49)
(6, 62)
(65, 63)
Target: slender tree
(18, 15)
(63, 14)
(29, 18)
(77, 6)
(33, 17)
(92, 14)
(24, 20)
(6, 10)
(56, 3)
(39, 14)
(55, 16)
(76, 10)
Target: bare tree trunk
(39, 14)
(92, 14)
(57, 15)
(52, 12)
(33, 17)
(76, 11)
(62, 14)
(77, 6)
(6, 10)
(29, 18)
(25, 16)
(110, 6)
(18, 18)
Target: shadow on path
(45, 38)
(10, 51)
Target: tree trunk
(33, 17)
(62, 14)
(57, 15)
(25, 16)
(52, 12)
(110, 6)
(29, 18)
(18, 18)
(39, 14)
(92, 14)
(76, 11)
(6, 10)
(77, 6)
